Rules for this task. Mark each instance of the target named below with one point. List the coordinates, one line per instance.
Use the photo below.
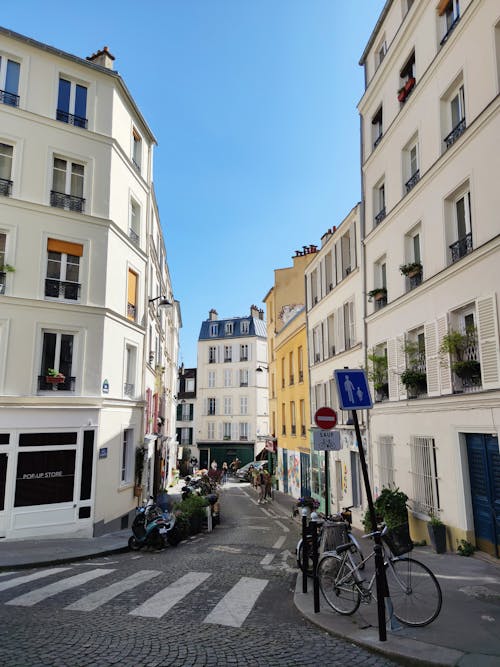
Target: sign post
(354, 394)
(326, 419)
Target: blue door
(305, 475)
(285, 471)
(484, 475)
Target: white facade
(232, 395)
(431, 147)
(76, 217)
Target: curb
(65, 559)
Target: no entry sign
(325, 418)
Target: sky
(253, 105)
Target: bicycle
(340, 525)
(414, 590)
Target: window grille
(386, 461)
(425, 491)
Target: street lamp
(261, 369)
(163, 300)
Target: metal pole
(305, 550)
(327, 485)
(314, 537)
(382, 591)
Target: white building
(78, 224)
(232, 417)
(334, 281)
(430, 164)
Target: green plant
(414, 379)
(434, 519)
(469, 368)
(411, 267)
(465, 548)
(139, 464)
(379, 291)
(391, 504)
(456, 342)
(193, 506)
(377, 370)
(52, 373)
(7, 268)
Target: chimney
(254, 311)
(261, 314)
(212, 314)
(103, 58)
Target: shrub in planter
(391, 504)
(413, 379)
(467, 369)
(437, 534)
(194, 508)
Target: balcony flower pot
(402, 94)
(468, 369)
(54, 377)
(411, 269)
(437, 535)
(413, 379)
(377, 294)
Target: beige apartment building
(430, 166)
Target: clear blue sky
(253, 103)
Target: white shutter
(392, 369)
(340, 342)
(250, 351)
(488, 342)
(443, 359)
(220, 430)
(401, 366)
(432, 358)
(352, 245)
(352, 321)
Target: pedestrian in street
(269, 485)
(224, 472)
(262, 486)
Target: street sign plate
(326, 440)
(352, 389)
(325, 418)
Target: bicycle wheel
(300, 557)
(336, 582)
(415, 592)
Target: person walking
(224, 472)
(262, 486)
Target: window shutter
(340, 343)
(54, 245)
(191, 412)
(401, 365)
(392, 369)
(432, 358)
(488, 342)
(190, 441)
(179, 412)
(132, 287)
(443, 359)
(352, 321)
(352, 244)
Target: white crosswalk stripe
(159, 604)
(17, 581)
(39, 594)
(100, 597)
(235, 606)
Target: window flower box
(411, 269)
(54, 377)
(377, 294)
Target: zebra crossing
(231, 610)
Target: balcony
(380, 216)
(244, 438)
(68, 202)
(461, 248)
(62, 289)
(244, 383)
(5, 187)
(46, 384)
(129, 389)
(9, 98)
(412, 181)
(71, 119)
(133, 236)
(244, 357)
(457, 131)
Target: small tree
(377, 372)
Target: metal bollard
(209, 518)
(314, 538)
(305, 549)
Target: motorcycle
(152, 527)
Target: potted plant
(391, 505)
(377, 373)
(139, 467)
(6, 268)
(414, 380)
(437, 533)
(411, 269)
(54, 377)
(469, 369)
(456, 343)
(377, 294)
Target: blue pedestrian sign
(352, 389)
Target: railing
(62, 289)
(9, 98)
(68, 384)
(211, 412)
(227, 360)
(244, 437)
(68, 202)
(380, 216)
(129, 389)
(380, 303)
(71, 119)
(211, 360)
(461, 247)
(466, 370)
(5, 187)
(133, 236)
(244, 383)
(378, 140)
(414, 281)
(136, 165)
(412, 181)
(244, 358)
(457, 131)
(302, 430)
(449, 31)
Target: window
(57, 354)
(411, 166)
(377, 128)
(9, 81)
(130, 370)
(386, 462)
(135, 222)
(291, 368)
(228, 378)
(244, 326)
(243, 377)
(449, 12)
(407, 79)
(293, 423)
(6, 153)
(423, 471)
(126, 458)
(211, 406)
(228, 353)
(456, 116)
(349, 325)
(243, 352)
(227, 405)
(356, 477)
(380, 52)
(72, 103)
(211, 431)
(243, 405)
(379, 293)
(244, 431)
(461, 213)
(186, 436)
(190, 384)
(229, 328)
(314, 287)
(329, 281)
(211, 379)
(213, 330)
(283, 419)
(186, 412)
(345, 246)
(379, 202)
(317, 345)
(302, 417)
(3, 264)
(282, 372)
(67, 185)
(63, 269)
(226, 430)
(132, 295)
(300, 354)
(136, 149)
(212, 355)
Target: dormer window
(214, 330)
(229, 329)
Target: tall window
(302, 417)
(425, 489)
(244, 431)
(449, 11)
(300, 354)
(211, 406)
(293, 421)
(130, 370)
(244, 326)
(211, 379)
(63, 269)
(6, 153)
(243, 377)
(412, 169)
(228, 353)
(228, 329)
(345, 245)
(132, 295)
(243, 352)
(135, 222)
(456, 123)
(9, 81)
(136, 149)
(227, 405)
(379, 203)
(67, 185)
(377, 127)
(57, 354)
(462, 227)
(386, 461)
(211, 431)
(283, 419)
(228, 374)
(243, 405)
(213, 330)
(226, 430)
(126, 457)
(3, 271)
(349, 325)
(291, 368)
(72, 103)
(212, 355)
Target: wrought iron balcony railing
(457, 131)
(380, 303)
(133, 236)
(461, 247)
(449, 31)
(71, 119)
(5, 187)
(380, 216)
(9, 98)
(412, 181)
(68, 202)
(62, 289)
(136, 165)
(44, 384)
(413, 281)
(129, 389)
(302, 430)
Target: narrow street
(220, 598)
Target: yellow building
(288, 374)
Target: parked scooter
(152, 527)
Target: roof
(257, 327)
(375, 30)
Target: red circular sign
(325, 418)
